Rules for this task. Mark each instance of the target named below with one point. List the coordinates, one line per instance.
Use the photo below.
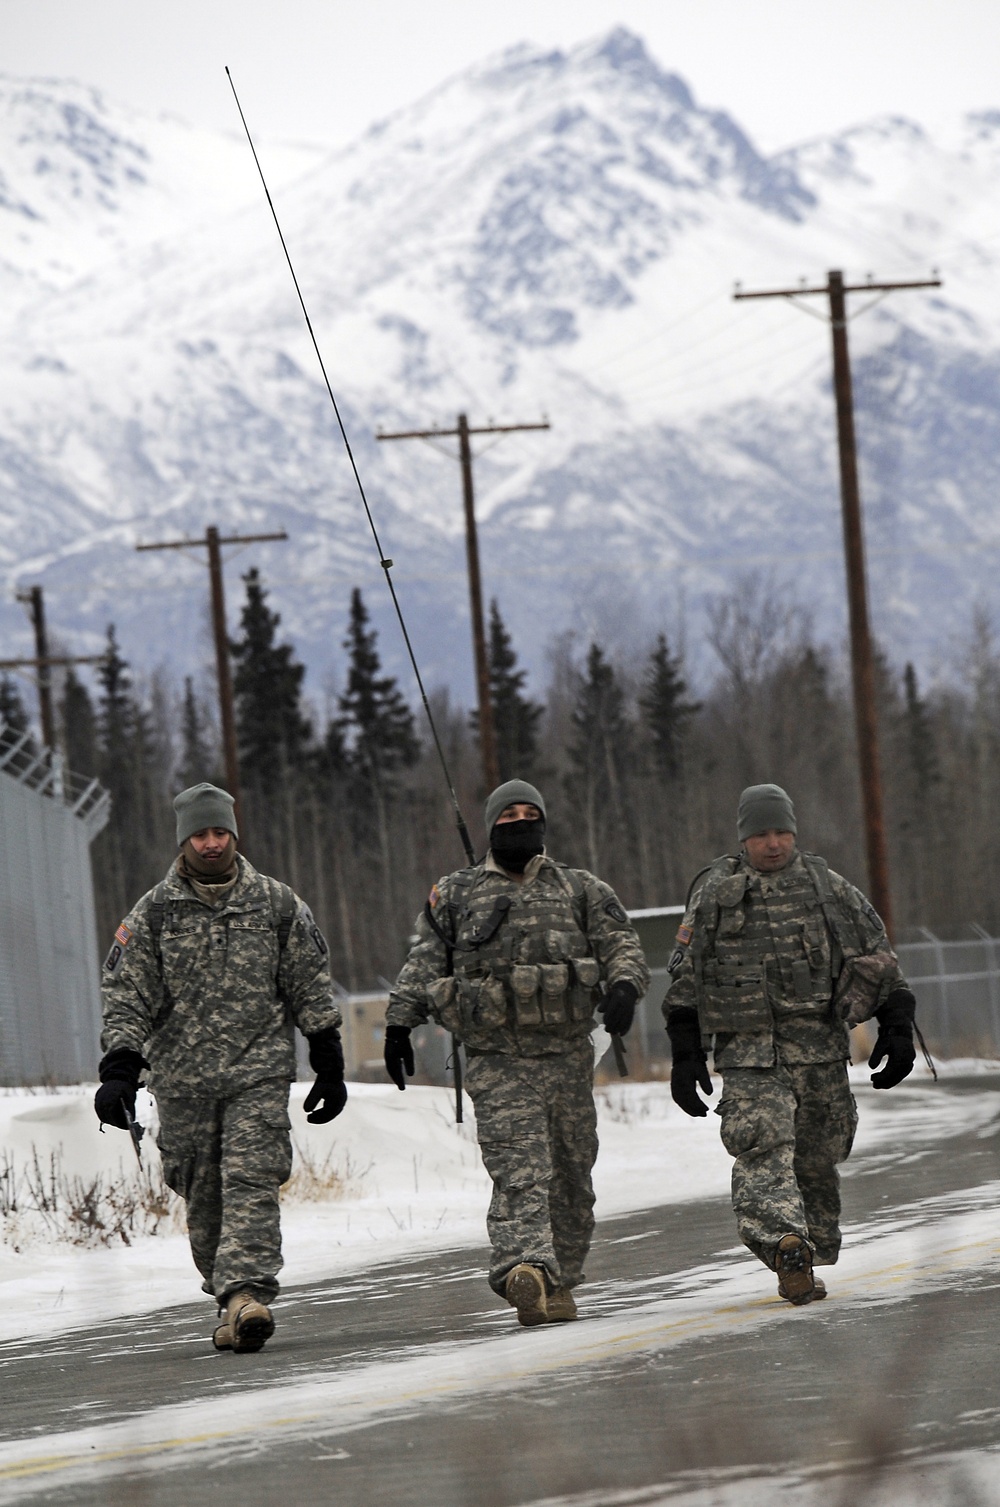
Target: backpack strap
(840, 923)
(283, 910)
(155, 916)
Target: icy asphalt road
(688, 1381)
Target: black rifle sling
(480, 936)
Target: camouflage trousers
(787, 1128)
(227, 1158)
(537, 1127)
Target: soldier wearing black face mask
(513, 956)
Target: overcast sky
(323, 70)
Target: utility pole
(487, 726)
(213, 542)
(862, 654)
(42, 663)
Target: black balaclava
(514, 844)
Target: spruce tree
(120, 724)
(375, 723)
(599, 750)
(273, 733)
(79, 726)
(198, 758)
(516, 718)
(919, 738)
(13, 712)
(665, 711)
(130, 851)
(376, 738)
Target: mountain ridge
(563, 239)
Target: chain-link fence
(956, 983)
(50, 1013)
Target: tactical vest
(755, 962)
(518, 961)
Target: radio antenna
(383, 560)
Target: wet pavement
(836, 1382)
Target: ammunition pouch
(733, 998)
(468, 1006)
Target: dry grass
(41, 1201)
(316, 1180)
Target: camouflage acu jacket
(528, 961)
(779, 966)
(203, 1001)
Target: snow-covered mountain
(550, 233)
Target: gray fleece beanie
(513, 793)
(764, 808)
(202, 806)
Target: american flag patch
(122, 935)
(684, 935)
(433, 897)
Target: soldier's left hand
(325, 1099)
(618, 1007)
(328, 1094)
(895, 1039)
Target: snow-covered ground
(393, 1176)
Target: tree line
(641, 776)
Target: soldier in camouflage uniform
(776, 959)
(511, 955)
(206, 979)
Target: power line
(384, 562)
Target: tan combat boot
(246, 1326)
(561, 1307)
(525, 1291)
(793, 1264)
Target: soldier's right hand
(690, 1061)
(119, 1072)
(686, 1073)
(398, 1054)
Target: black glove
(119, 1072)
(690, 1068)
(618, 1007)
(398, 1054)
(328, 1094)
(895, 1039)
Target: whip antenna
(383, 561)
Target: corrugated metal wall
(50, 1010)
